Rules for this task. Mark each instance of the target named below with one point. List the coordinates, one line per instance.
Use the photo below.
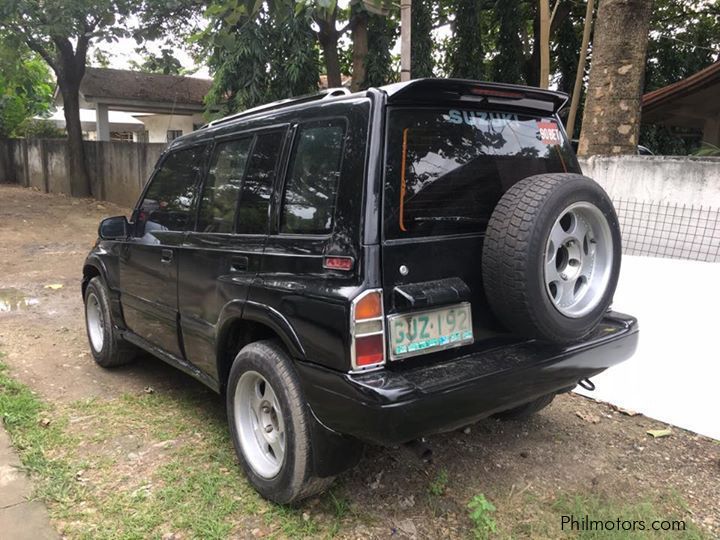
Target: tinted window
(222, 186)
(311, 186)
(258, 183)
(447, 168)
(167, 204)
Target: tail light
(367, 328)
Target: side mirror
(114, 228)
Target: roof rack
(322, 94)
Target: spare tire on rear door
(551, 257)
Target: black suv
(366, 267)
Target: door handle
(239, 264)
(166, 256)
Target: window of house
(167, 204)
(222, 186)
(252, 215)
(311, 187)
(173, 134)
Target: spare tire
(551, 257)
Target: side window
(258, 183)
(167, 205)
(308, 204)
(222, 186)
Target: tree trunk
(328, 38)
(79, 178)
(360, 50)
(611, 120)
(544, 81)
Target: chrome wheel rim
(578, 259)
(95, 322)
(260, 425)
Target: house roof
(687, 102)
(103, 84)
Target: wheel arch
(245, 324)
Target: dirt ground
(576, 446)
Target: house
(167, 106)
(689, 103)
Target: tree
(164, 63)
(507, 65)
(611, 119)
(26, 87)
(466, 55)
(60, 32)
(248, 72)
(421, 60)
(380, 66)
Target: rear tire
(525, 411)
(551, 257)
(270, 424)
(107, 346)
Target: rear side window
(168, 201)
(258, 183)
(308, 204)
(222, 186)
(447, 168)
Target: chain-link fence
(676, 231)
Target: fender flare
(262, 314)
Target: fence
(117, 170)
(670, 230)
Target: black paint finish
(180, 294)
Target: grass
(630, 520)
(142, 466)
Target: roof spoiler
(433, 90)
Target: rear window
(447, 167)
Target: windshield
(447, 168)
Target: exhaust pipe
(587, 384)
(420, 449)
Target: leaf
(657, 433)
(54, 286)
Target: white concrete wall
(158, 125)
(667, 179)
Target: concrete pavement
(20, 517)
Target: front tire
(270, 424)
(106, 345)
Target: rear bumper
(394, 406)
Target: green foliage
(708, 150)
(465, 52)
(380, 65)
(684, 38)
(34, 128)
(164, 63)
(507, 66)
(421, 59)
(438, 486)
(481, 511)
(26, 88)
(248, 72)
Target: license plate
(428, 331)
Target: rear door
(149, 259)
(318, 206)
(446, 168)
(222, 256)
